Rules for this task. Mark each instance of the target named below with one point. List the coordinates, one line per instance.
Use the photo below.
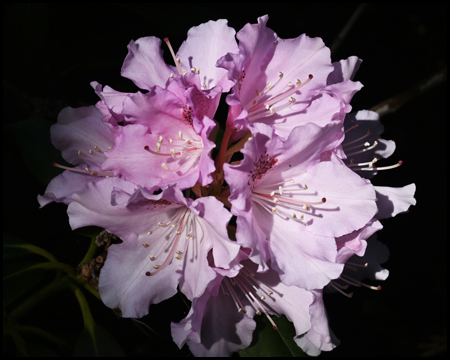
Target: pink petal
(77, 134)
(144, 63)
(206, 44)
(392, 201)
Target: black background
(52, 52)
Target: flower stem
(238, 146)
(223, 149)
(396, 102)
(91, 251)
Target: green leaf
(14, 247)
(98, 343)
(94, 340)
(17, 282)
(268, 342)
(38, 153)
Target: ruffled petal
(204, 46)
(62, 187)
(392, 201)
(214, 327)
(81, 135)
(319, 337)
(144, 63)
(344, 70)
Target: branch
(396, 102)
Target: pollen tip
(324, 200)
(400, 162)
(148, 273)
(275, 327)
(166, 39)
(378, 287)
(310, 76)
(146, 147)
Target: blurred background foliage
(51, 52)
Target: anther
(96, 148)
(145, 245)
(149, 232)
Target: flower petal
(205, 44)
(77, 133)
(144, 63)
(392, 201)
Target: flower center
(287, 200)
(268, 101)
(344, 281)
(95, 156)
(360, 146)
(263, 165)
(182, 150)
(253, 290)
(177, 62)
(176, 232)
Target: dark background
(52, 52)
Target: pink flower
(320, 337)
(197, 57)
(166, 242)
(163, 142)
(363, 146)
(220, 322)
(83, 140)
(290, 206)
(285, 82)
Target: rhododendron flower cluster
(262, 219)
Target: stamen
(358, 265)
(238, 304)
(350, 295)
(351, 128)
(358, 139)
(382, 168)
(170, 256)
(86, 171)
(367, 148)
(175, 59)
(284, 95)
